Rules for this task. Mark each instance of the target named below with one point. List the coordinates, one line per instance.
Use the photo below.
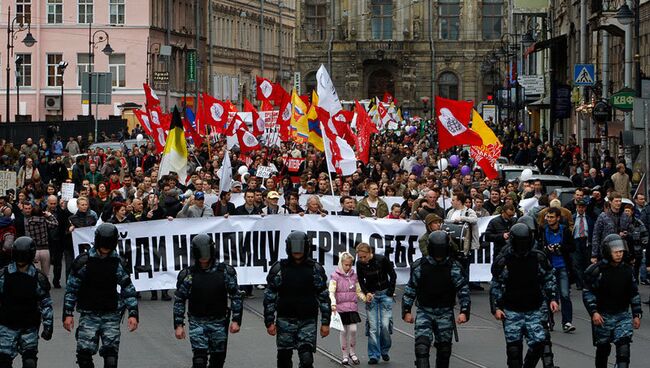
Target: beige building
(239, 30)
(412, 49)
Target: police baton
(453, 321)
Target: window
(492, 16)
(54, 79)
(24, 11)
(24, 77)
(116, 9)
(54, 11)
(85, 11)
(117, 66)
(382, 19)
(449, 11)
(315, 20)
(448, 85)
(83, 66)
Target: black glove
(47, 333)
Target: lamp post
(61, 67)
(94, 40)
(12, 34)
(19, 63)
(626, 17)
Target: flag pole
(329, 173)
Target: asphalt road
(481, 340)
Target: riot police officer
(296, 290)
(609, 292)
(206, 286)
(435, 282)
(522, 281)
(92, 289)
(24, 301)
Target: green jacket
(364, 209)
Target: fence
(18, 132)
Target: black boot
(514, 352)
(443, 354)
(154, 295)
(602, 353)
(165, 296)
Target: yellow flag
(299, 125)
(315, 134)
(486, 155)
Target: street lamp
(624, 15)
(94, 40)
(12, 35)
(61, 68)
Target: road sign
(161, 77)
(102, 85)
(190, 73)
(533, 84)
(584, 74)
(623, 99)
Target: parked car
(512, 172)
(125, 146)
(553, 182)
(565, 195)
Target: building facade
(411, 49)
(239, 30)
(64, 30)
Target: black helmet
(202, 247)
(297, 242)
(528, 221)
(612, 243)
(23, 250)
(106, 236)
(438, 244)
(521, 239)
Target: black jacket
(495, 230)
(377, 274)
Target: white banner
(156, 251)
(7, 181)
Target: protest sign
(7, 181)
(67, 191)
(264, 172)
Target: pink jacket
(346, 290)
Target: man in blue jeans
(377, 280)
(558, 244)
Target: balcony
(603, 14)
(605, 6)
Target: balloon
(443, 163)
(139, 137)
(454, 160)
(526, 174)
(242, 170)
(465, 170)
(72, 206)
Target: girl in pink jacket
(344, 290)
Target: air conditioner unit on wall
(52, 103)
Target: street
(481, 340)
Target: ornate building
(414, 49)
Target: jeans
(564, 290)
(379, 324)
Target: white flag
(225, 173)
(328, 99)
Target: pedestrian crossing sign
(584, 74)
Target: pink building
(138, 31)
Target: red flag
(453, 124)
(341, 122)
(284, 117)
(196, 137)
(151, 97)
(258, 123)
(279, 94)
(214, 112)
(153, 121)
(247, 141)
(266, 106)
(265, 89)
(145, 121)
(365, 127)
(235, 124)
(388, 98)
(341, 157)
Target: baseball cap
(273, 195)
(199, 195)
(581, 202)
(235, 184)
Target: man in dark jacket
(223, 207)
(377, 279)
(498, 230)
(613, 221)
(583, 231)
(557, 242)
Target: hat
(513, 196)
(555, 203)
(235, 184)
(581, 202)
(432, 217)
(199, 196)
(273, 195)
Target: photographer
(637, 238)
(557, 242)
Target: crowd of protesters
(122, 186)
